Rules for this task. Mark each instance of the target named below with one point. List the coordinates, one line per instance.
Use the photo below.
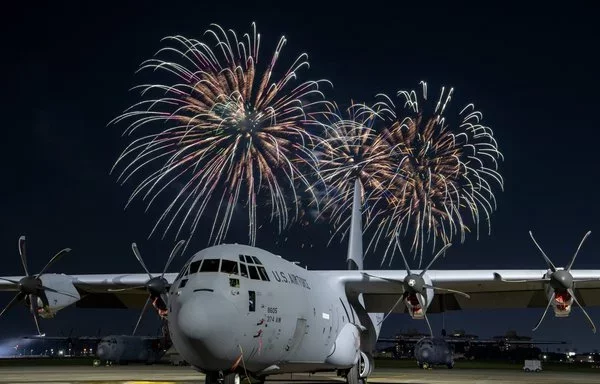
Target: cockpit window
(210, 265)
(184, 270)
(253, 272)
(256, 260)
(229, 266)
(243, 270)
(242, 258)
(263, 273)
(249, 259)
(195, 266)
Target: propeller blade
(172, 255)
(548, 261)
(137, 255)
(57, 291)
(401, 298)
(402, 253)
(126, 289)
(382, 278)
(440, 252)
(447, 290)
(497, 276)
(425, 313)
(582, 309)
(545, 311)
(55, 258)
(33, 306)
(23, 254)
(577, 251)
(141, 315)
(10, 281)
(16, 299)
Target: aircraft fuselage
(257, 310)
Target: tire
(353, 375)
(425, 366)
(232, 378)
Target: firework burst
(443, 166)
(226, 133)
(349, 148)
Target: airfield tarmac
(175, 375)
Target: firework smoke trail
(349, 149)
(443, 167)
(227, 133)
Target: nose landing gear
(218, 377)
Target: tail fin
(355, 246)
(355, 250)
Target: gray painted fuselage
(289, 323)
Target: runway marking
(149, 382)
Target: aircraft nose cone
(101, 351)
(424, 353)
(205, 316)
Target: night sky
(532, 72)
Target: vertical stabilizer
(355, 246)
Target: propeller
(560, 279)
(414, 285)
(30, 287)
(156, 286)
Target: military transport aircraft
(236, 311)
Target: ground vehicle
(532, 366)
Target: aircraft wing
(382, 288)
(101, 290)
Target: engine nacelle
(562, 302)
(66, 294)
(346, 349)
(415, 310)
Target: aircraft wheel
(232, 378)
(353, 375)
(425, 366)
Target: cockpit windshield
(210, 265)
(247, 266)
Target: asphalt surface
(166, 374)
